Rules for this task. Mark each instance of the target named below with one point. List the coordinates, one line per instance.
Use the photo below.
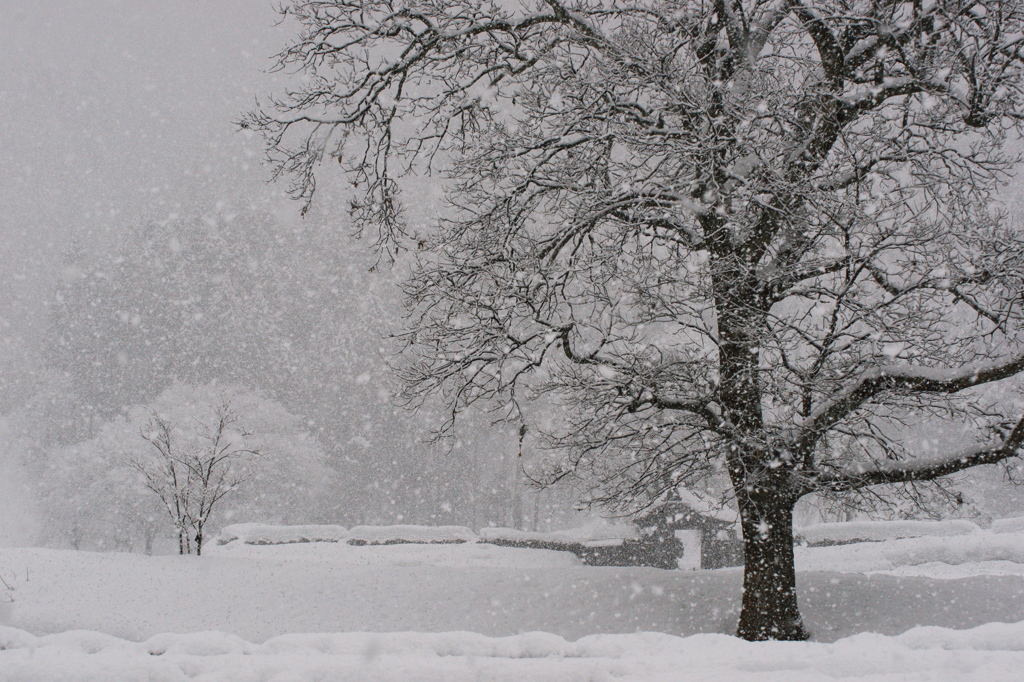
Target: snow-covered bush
(983, 546)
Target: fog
(143, 245)
(115, 113)
(128, 199)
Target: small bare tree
(190, 475)
(747, 238)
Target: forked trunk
(769, 574)
(184, 542)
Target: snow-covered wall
(585, 535)
(381, 535)
(265, 534)
(877, 531)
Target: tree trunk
(769, 574)
(184, 542)
(199, 540)
(766, 509)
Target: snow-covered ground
(481, 612)
(439, 589)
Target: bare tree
(191, 477)
(95, 497)
(745, 236)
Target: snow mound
(1011, 525)
(265, 534)
(386, 535)
(989, 653)
(879, 531)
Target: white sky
(115, 111)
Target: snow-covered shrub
(884, 556)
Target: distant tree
(92, 500)
(745, 236)
(18, 504)
(192, 472)
(290, 482)
(188, 457)
(244, 298)
(236, 296)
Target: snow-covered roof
(708, 507)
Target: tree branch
(889, 471)
(904, 378)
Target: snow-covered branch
(894, 471)
(904, 378)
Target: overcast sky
(115, 111)
(116, 114)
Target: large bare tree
(750, 236)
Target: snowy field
(475, 611)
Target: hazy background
(115, 113)
(140, 244)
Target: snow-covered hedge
(593, 535)
(389, 535)
(877, 531)
(265, 534)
